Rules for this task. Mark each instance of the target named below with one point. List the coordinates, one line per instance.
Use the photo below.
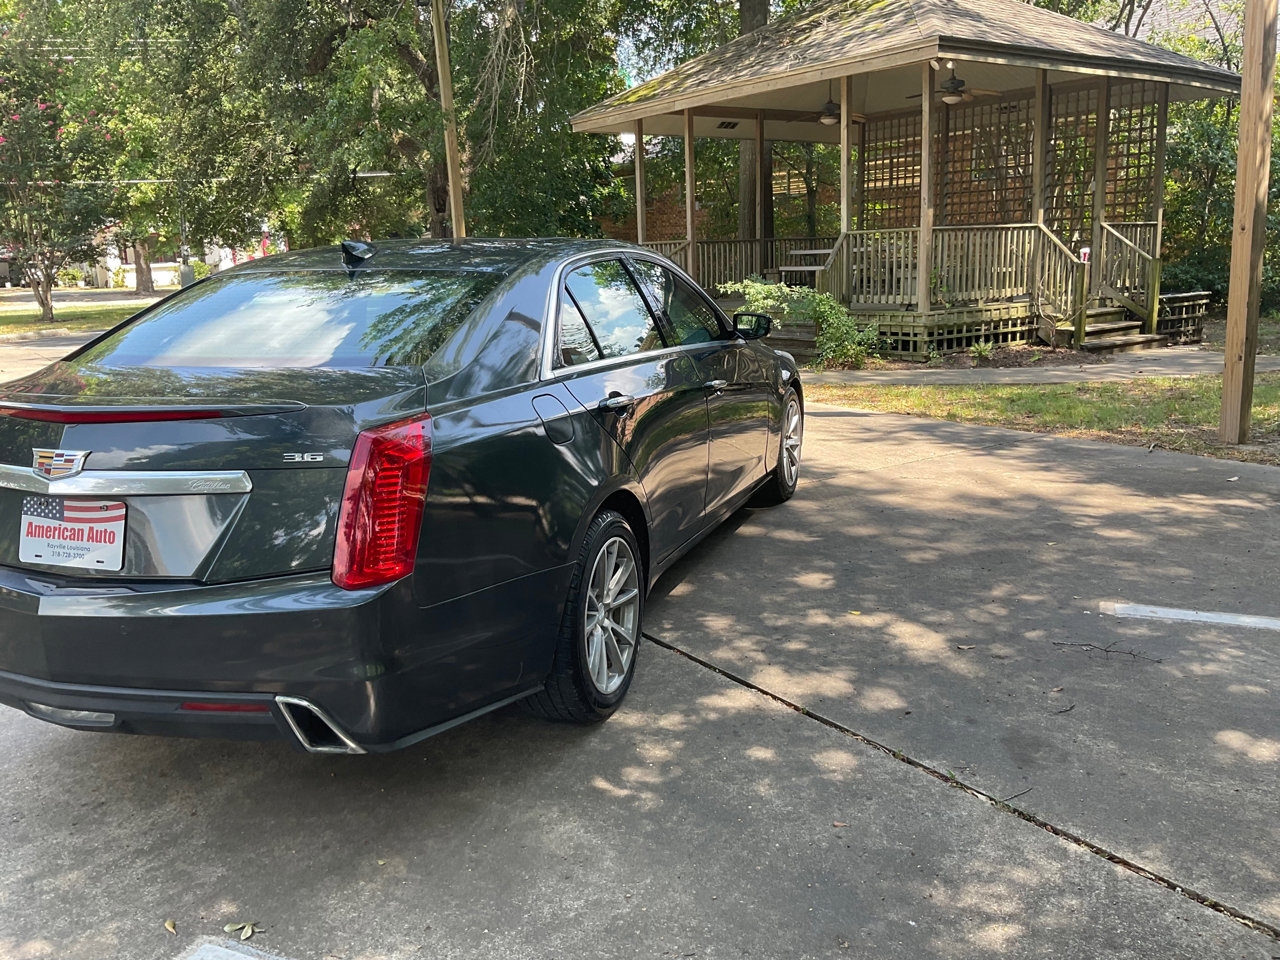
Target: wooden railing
(1058, 283)
(980, 263)
(881, 266)
(1127, 273)
(1142, 234)
(835, 277)
(726, 261)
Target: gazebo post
(642, 227)
(1157, 262)
(846, 155)
(760, 258)
(924, 252)
(690, 198)
(1040, 147)
(1102, 137)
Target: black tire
(781, 483)
(574, 692)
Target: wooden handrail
(1113, 232)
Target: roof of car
(497, 255)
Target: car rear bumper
(286, 657)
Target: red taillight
(382, 505)
(51, 415)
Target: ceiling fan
(953, 90)
(829, 115)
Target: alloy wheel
(792, 430)
(612, 621)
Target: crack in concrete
(1239, 916)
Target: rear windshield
(320, 319)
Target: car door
(613, 359)
(735, 381)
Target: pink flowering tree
(53, 156)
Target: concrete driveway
(806, 766)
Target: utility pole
(1248, 235)
(439, 29)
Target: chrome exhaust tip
(315, 729)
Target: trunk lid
(223, 474)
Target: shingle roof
(861, 36)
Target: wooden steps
(1140, 341)
(1111, 329)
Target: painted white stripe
(1145, 612)
(222, 949)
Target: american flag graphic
(73, 511)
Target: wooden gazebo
(1037, 207)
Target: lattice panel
(984, 168)
(891, 171)
(1069, 171)
(1131, 155)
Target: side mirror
(752, 326)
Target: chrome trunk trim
(127, 483)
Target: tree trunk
(752, 14)
(143, 282)
(810, 190)
(438, 187)
(41, 280)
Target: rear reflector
(52, 415)
(382, 505)
(227, 707)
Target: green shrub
(201, 269)
(69, 276)
(982, 350)
(842, 340)
(118, 277)
(847, 343)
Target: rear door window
(301, 319)
(690, 318)
(613, 308)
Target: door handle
(619, 404)
(716, 386)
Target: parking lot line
(1142, 611)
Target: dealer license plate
(72, 533)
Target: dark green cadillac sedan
(357, 495)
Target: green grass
(1169, 413)
(1215, 334)
(72, 317)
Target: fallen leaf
(855, 613)
(1056, 690)
(233, 927)
(839, 824)
(965, 646)
(249, 930)
(171, 927)
(1232, 479)
(382, 863)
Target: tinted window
(576, 344)
(327, 319)
(692, 321)
(613, 308)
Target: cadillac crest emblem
(57, 464)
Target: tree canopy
(214, 119)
